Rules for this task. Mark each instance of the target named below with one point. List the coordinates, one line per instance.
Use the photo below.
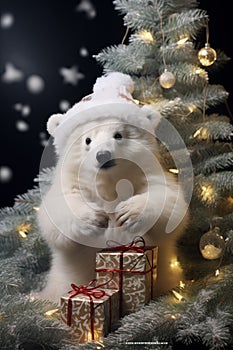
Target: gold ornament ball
(167, 80)
(212, 244)
(207, 55)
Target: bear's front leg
(137, 214)
(64, 219)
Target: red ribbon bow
(87, 290)
(137, 245)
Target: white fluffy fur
(89, 204)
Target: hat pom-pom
(114, 80)
(53, 123)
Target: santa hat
(111, 98)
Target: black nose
(103, 156)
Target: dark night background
(47, 35)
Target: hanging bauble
(212, 244)
(207, 55)
(167, 79)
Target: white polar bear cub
(108, 185)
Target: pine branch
(15, 329)
(214, 95)
(45, 176)
(215, 164)
(189, 21)
(27, 202)
(174, 52)
(186, 75)
(121, 58)
(142, 14)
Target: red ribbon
(90, 292)
(87, 290)
(137, 245)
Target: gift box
(132, 270)
(91, 312)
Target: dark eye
(118, 136)
(88, 141)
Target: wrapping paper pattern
(105, 315)
(136, 281)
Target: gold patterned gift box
(91, 312)
(130, 269)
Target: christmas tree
(173, 73)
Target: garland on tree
(161, 57)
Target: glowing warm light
(174, 263)
(207, 193)
(36, 208)
(177, 295)
(230, 200)
(182, 40)
(89, 336)
(197, 133)
(201, 133)
(97, 337)
(174, 171)
(146, 36)
(192, 108)
(100, 345)
(197, 70)
(204, 133)
(23, 229)
(202, 73)
(217, 272)
(182, 284)
(136, 101)
(22, 234)
(51, 312)
(171, 316)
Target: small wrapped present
(132, 270)
(90, 311)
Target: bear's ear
(53, 123)
(152, 115)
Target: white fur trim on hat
(111, 98)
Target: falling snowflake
(64, 105)
(24, 109)
(44, 143)
(5, 174)
(43, 139)
(12, 74)
(21, 125)
(35, 84)
(71, 75)
(83, 52)
(87, 7)
(42, 135)
(6, 20)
